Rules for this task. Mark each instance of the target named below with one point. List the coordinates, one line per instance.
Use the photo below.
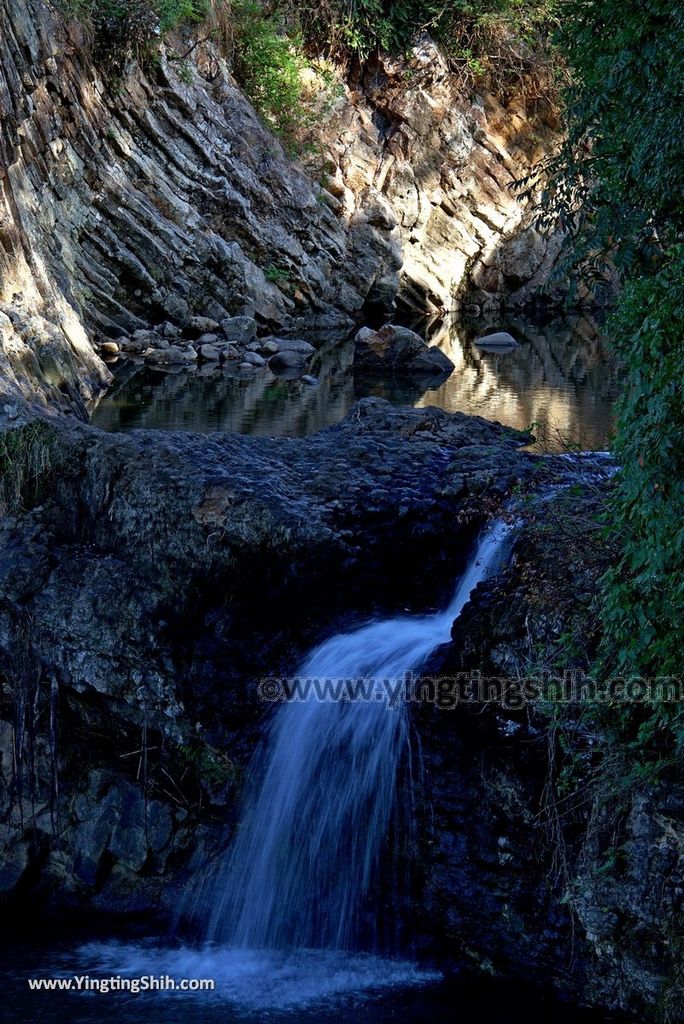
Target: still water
(560, 379)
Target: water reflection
(213, 398)
(559, 378)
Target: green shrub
(506, 41)
(643, 593)
(268, 62)
(28, 460)
(618, 186)
(175, 12)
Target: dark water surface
(560, 379)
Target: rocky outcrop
(158, 197)
(409, 151)
(542, 857)
(161, 197)
(147, 580)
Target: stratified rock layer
(161, 197)
(409, 151)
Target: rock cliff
(409, 150)
(549, 854)
(159, 195)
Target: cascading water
(311, 838)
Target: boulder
(150, 339)
(269, 347)
(288, 362)
(397, 350)
(167, 330)
(209, 353)
(294, 345)
(254, 359)
(499, 340)
(171, 355)
(199, 325)
(132, 346)
(239, 329)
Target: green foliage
(276, 274)
(268, 63)
(121, 29)
(28, 459)
(266, 51)
(643, 601)
(214, 767)
(175, 12)
(617, 183)
(618, 186)
(504, 40)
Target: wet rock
(295, 345)
(109, 348)
(254, 359)
(173, 355)
(309, 379)
(206, 339)
(209, 353)
(290, 362)
(515, 909)
(498, 340)
(397, 350)
(269, 346)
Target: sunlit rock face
(411, 150)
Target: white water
(308, 849)
(253, 980)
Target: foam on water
(255, 980)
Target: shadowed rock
(397, 350)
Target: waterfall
(314, 830)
